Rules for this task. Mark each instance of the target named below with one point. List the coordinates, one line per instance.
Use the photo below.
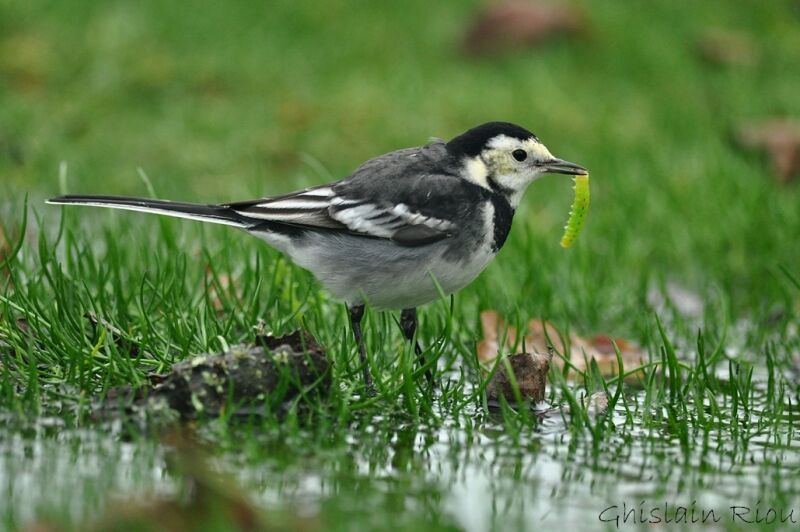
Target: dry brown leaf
(489, 347)
(534, 341)
(780, 138)
(599, 347)
(516, 24)
(727, 48)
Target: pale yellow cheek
(500, 162)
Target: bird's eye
(519, 155)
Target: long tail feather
(219, 214)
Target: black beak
(559, 166)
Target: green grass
(221, 102)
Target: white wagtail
(401, 227)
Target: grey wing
(397, 222)
(346, 206)
(413, 196)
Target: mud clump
(530, 374)
(242, 381)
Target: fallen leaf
(489, 347)
(542, 337)
(514, 24)
(723, 47)
(780, 138)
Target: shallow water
(470, 472)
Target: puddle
(468, 473)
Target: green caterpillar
(577, 214)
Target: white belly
(388, 276)
(381, 273)
(390, 288)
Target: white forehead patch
(538, 150)
(505, 143)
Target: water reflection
(467, 472)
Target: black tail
(219, 214)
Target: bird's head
(506, 158)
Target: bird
(399, 231)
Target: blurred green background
(222, 101)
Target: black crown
(473, 141)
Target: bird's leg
(356, 314)
(408, 324)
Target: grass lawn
(214, 102)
